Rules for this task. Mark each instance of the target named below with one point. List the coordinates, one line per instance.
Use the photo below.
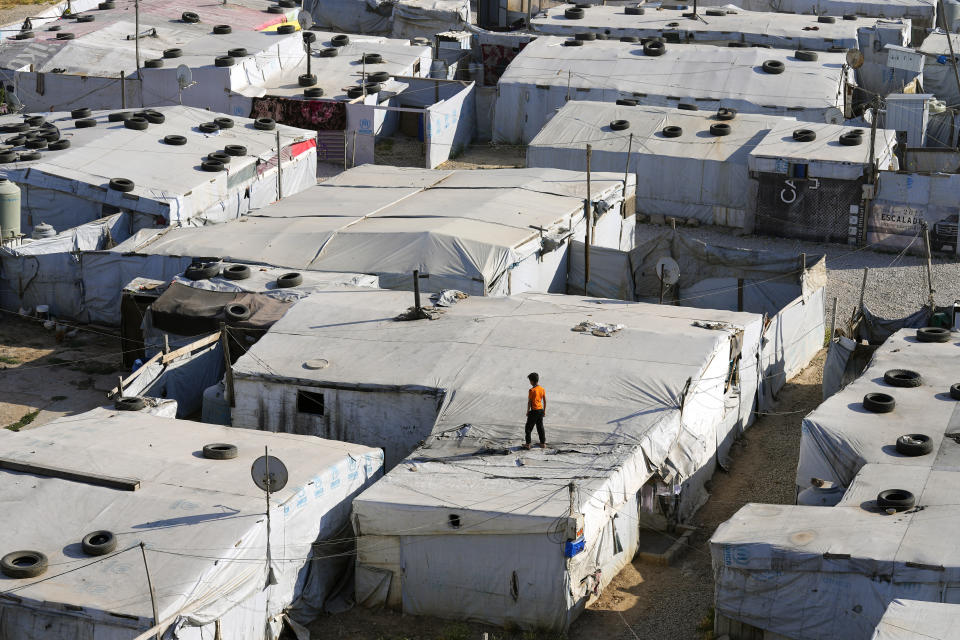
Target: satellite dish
(833, 115)
(184, 76)
(855, 58)
(304, 19)
(269, 473)
(668, 270)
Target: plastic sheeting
(923, 12)
(835, 375)
(777, 30)
(545, 75)
(840, 436)
(938, 76)
(904, 200)
(476, 231)
(654, 402)
(182, 380)
(201, 522)
(915, 620)
(69, 187)
(876, 329)
(399, 18)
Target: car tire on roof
(175, 52)
(86, 18)
(222, 29)
(220, 451)
(329, 52)
(955, 391)
(106, 6)
(573, 43)
(726, 113)
(175, 140)
(720, 129)
(208, 127)
(66, 35)
(633, 10)
(806, 56)
(265, 124)
(239, 52)
(286, 29)
(224, 61)
(288, 280)
(235, 150)
(773, 66)
(716, 13)
(850, 139)
(202, 270)
(626, 102)
(119, 116)
(899, 499)
(190, 17)
(82, 112)
(306, 79)
(620, 125)
(237, 272)
(236, 312)
(99, 543)
(575, 13)
(933, 334)
(804, 135)
(672, 131)
(212, 166)
(340, 40)
(914, 444)
(902, 378)
(274, 8)
(23, 564)
(219, 156)
(129, 403)
(826, 19)
(58, 145)
(654, 48)
(879, 402)
(36, 143)
(154, 63)
(122, 185)
(136, 123)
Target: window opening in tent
(454, 521)
(514, 586)
(798, 170)
(310, 402)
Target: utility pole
(946, 30)
(136, 33)
(587, 217)
(926, 245)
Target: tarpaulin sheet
(201, 523)
(653, 400)
(915, 620)
(545, 75)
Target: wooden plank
(193, 346)
(96, 479)
(133, 376)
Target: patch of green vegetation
(24, 421)
(9, 360)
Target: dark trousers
(535, 419)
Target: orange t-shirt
(536, 396)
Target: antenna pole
(268, 481)
(587, 216)
(136, 33)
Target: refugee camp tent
(720, 185)
(712, 26)
(642, 401)
(788, 289)
(361, 91)
(840, 436)
(90, 59)
(922, 13)
(67, 181)
(774, 563)
(904, 200)
(915, 620)
(938, 77)
(81, 274)
(482, 232)
(400, 19)
(814, 189)
(547, 73)
(195, 523)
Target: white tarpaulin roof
(923, 11)
(840, 436)
(938, 77)
(546, 74)
(915, 620)
(399, 18)
(335, 74)
(201, 521)
(101, 47)
(779, 30)
(390, 220)
(168, 180)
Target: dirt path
(646, 601)
(46, 374)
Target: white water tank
(9, 209)
(43, 230)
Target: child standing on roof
(536, 410)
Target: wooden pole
(416, 290)
(120, 388)
(863, 289)
(123, 90)
(279, 171)
(153, 594)
(626, 175)
(136, 35)
(660, 275)
(739, 294)
(166, 344)
(587, 217)
(926, 244)
(228, 368)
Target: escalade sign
(904, 200)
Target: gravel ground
(896, 284)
